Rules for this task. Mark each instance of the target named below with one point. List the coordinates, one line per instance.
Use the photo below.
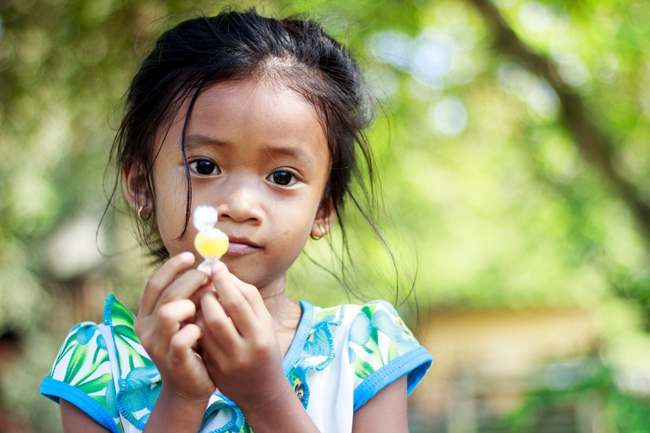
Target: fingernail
(216, 267)
(186, 256)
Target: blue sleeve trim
(108, 305)
(55, 390)
(415, 362)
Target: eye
(282, 178)
(204, 167)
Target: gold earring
(322, 232)
(143, 217)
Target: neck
(285, 311)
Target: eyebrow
(198, 139)
(296, 152)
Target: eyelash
(194, 166)
(195, 169)
(292, 182)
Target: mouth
(239, 246)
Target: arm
(242, 355)
(168, 413)
(385, 412)
(75, 420)
(175, 414)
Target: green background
(512, 147)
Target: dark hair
(203, 51)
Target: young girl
(262, 119)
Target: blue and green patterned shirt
(339, 358)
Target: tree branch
(595, 145)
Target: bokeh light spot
(448, 116)
(535, 17)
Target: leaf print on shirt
(138, 394)
(84, 364)
(85, 333)
(319, 341)
(298, 385)
(317, 352)
(377, 336)
(139, 382)
(83, 369)
(130, 351)
(393, 326)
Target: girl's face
(258, 153)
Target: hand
(240, 348)
(162, 329)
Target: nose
(241, 202)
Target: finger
(182, 287)
(167, 273)
(252, 295)
(233, 301)
(171, 315)
(216, 325)
(198, 318)
(181, 344)
(198, 321)
(196, 296)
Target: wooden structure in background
(486, 360)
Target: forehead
(252, 96)
(253, 111)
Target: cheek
(170, 199)
(297, 234)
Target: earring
(322, 232)
(143, 217)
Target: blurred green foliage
(585, 381)
(492, 201)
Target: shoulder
(83, 349)
(82, 375)
(104, 371)
(375, 327)
(378, 324)
(381, 349)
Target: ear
(324, 219)
(136, 187)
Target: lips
(239, 246)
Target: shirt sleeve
(381, 350)
(82, 375)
